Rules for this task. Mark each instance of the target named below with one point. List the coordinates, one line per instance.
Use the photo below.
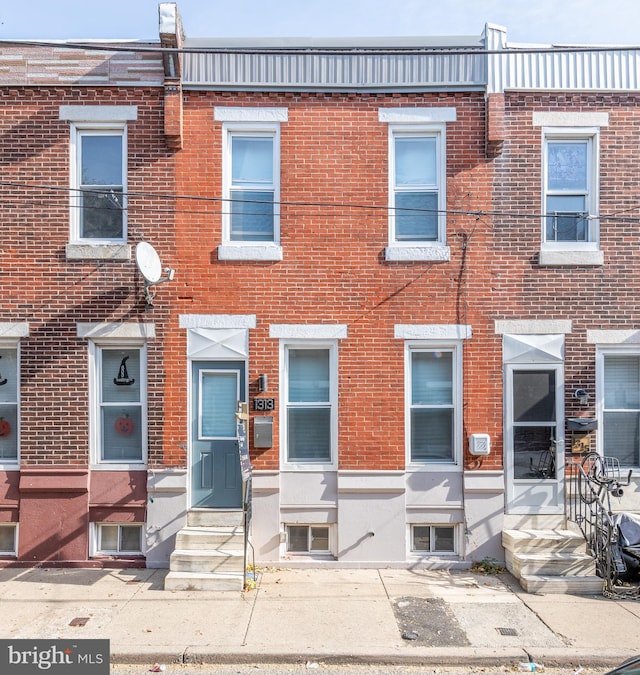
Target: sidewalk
(329, 616)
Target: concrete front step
(207, 561)
(555, 563)
(215, 518)
(193, 581)
(537, 541)
(198, 538)
(573, 584)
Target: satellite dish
(149, 265)
(148, 262)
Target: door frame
(547, 494)
(211, 364)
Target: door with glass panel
(534, 441)
(217, 387)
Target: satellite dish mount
(150, 267)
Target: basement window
(433, 539)
(308, 539)
(8, 532)
(118, 539)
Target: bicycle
(600, 479)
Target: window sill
(441, 467)
(308, 467)
(578, 258)
(438, 253)
(98, 252)
(119, 466)
(9, 466)
(269, 252)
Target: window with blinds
(432, 407)
(309, 405)
(621, 408)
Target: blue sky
(529, 21)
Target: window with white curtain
(9, 399)
(310, 404)
(433, 400)
(621, 407)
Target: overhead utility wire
(326, 205)
(322, 51)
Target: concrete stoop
(550, 561)
(209, 553)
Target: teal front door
(217, 386)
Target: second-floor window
(570, 190)
(98, 197)
(252, 185)
(417, 187)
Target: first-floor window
(433, 399)
(310, 404)
(433, 539)
(621, 408)
(8, 539)
(118, 539)
(120, 415)
(308, 539)
(9, 393)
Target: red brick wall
(39, 286)
(334, 153)
(592, 297)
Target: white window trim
(79, 129)
(457, 542)
(428, 121)
(94, 538)
(601, 352)
(309, 555)
(8, 343)
(95, 346)
(249, 250)
(438, 131)
(454, 346)
(566, 248)
(332, 346)
(13, 553)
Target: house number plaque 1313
(264, 404)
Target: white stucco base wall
(166, 513)
(484, 515)
(371, 514)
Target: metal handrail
(590, 508)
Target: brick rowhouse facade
(331, 317)
(53, 292)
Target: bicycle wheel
(592, 478)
